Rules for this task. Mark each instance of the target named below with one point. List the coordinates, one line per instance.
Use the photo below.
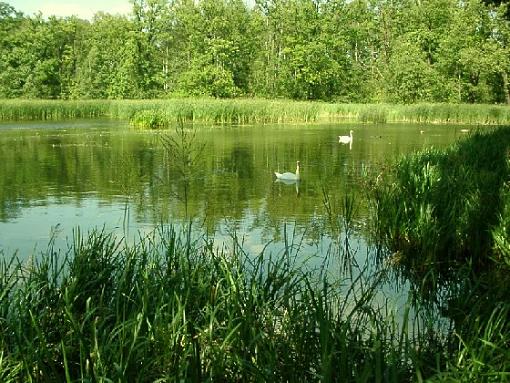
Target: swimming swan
(346, 139)
(288, 176)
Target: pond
(57, 176)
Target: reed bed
(20, 110)
(217, 111)
(161, 113)
(442, 206)
(442, 216)
(475, 114)
(170, 309)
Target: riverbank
(162, 113)
(443, 216)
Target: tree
(109, 69)
(10, 79)
(411, 78)
(474, 54)
(216, 41)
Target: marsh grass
(501, 232)
(445, 206)
(162, 113)
(442, 215)
(420, 113)
(171, 308)
(214, 111)
(482, 353)
(19, 110)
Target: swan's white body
(345, 139)
(287, 176)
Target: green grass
(443, 206)
(171, 309)
(442, 218)
(213, 111)
(20, 110)
(162, 113)
(475, 114)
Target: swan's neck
(297, 170)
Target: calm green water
(55, 177)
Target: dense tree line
(341, 50)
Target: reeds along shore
(169, 309)
(448, 205)
(161, 113)
(442, 216)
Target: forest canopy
(401, 51)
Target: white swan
(289, 176)
(346, 139)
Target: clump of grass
(170, 308)
(501, 232)
(150, 119)
(483, 353)
(185, 153)
(440, 206)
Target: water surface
(56, 176)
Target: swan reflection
(289, 182)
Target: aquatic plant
(442, 216)
(170, 308)
(161, 113)
(239, 112)
(436, 113)
(184, 153)
(15, 110)
(150, 119)
(439, 207)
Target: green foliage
(356, 51)
(208, 80)
(412, 79)
(438, 207)
(169, 308)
